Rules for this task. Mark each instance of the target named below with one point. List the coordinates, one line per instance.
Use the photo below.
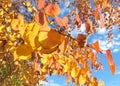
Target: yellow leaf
(73, 73)
(30, 36)
(23, 52)
(66, 67)
(101, 83)
(82, 79)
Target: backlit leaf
(41, 4)
(23, 52)
(101, 83)
(52, 10)
(87, 25)
(110, 61)
(62, 21)
(95, 46)
(81, 39)
(41, 18)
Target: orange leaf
(52, 10)
(96, 46)
(87, 25)
(96, 14)
(102, 21)
(68, 77)
(62, 22)
(110, 61)
(41, 4)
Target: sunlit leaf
(82, 79)
(52, 10)
(23, 52)
(41, 4)
(62, 21)
(95, 46)
(41, 18)
(110, 61)
(101, 83)
(68, 77)
(81, 39)
(52, 39)
(87, 27)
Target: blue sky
(101, 35)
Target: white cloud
(101, 31)
(50, 83)
(115, 50)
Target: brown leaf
(110, 61)
(81, 39)
(87, 25)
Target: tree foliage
(35, 40)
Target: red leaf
(41, 18)
(102, 21)
(110, 61)
(95, 45)
(87, 25)
(41, 4)
(62, 21)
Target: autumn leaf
(110, 61)
(82, 79)
(41, 4)
(68, 77)
(23, 52)
(96, 14)
(95, 46)
(52, 10)
(87, 25)
(52, 39)
(62, 21)
(30, 36)
(63, 46)
(101, 83)
(81, 39)
(41, 18)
